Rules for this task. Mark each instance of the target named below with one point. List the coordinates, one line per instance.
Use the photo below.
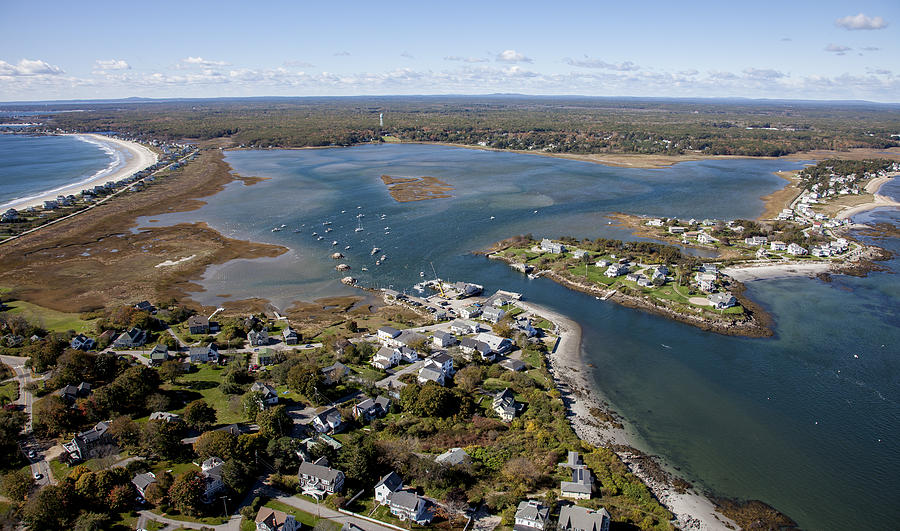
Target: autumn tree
(170, 371)
(186, 492)
(200, 415)
(221, 444)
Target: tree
(352, 327)
(186, 492)
(49, 510)
(126, 432)
(305, 379)
(283, 454)
(51, 415)
(274, 422)
(120, 497)
(92, 522)
(16, 485)
(237, 474)
(253, 403)
(200, 415)
(219, 444)
(161, 439)
(11, 423)
(359, 459)
(170, 371)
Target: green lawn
(205, 382)
(59, 470)
(206, 520)
(307, 519)
(51, 320)
(9, 392)
(532, 358)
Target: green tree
(49, 510)
(282, 454)
(186, 492)
(52, 415)
(170, 371)
(237, 474)
(253, 403)
(359, 459)
(92, 522)
(221, 444)
(16, 484)
(305, 379)
(161, 439)
(120, 497)
(274, 422)
(200, 415)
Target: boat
(334, 242)
(377, 262)
(360, 215)
(364, 269)
(387, 228)
(326, 223)
(276, 229)
(375, 250)
(383, 257)
(329, 229)
(283, 225)
(315, 234)
(422, 274)
(358, 225)
(492, 217)
(296, 230)
(347, 248)
(343, 211)
(320, 238)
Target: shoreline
(141, 158)
(692, 509)
(878, 200)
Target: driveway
(28, 442)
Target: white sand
(693, 510)
(878, 200)
(170, 263)
(768, 270)
(140, 157)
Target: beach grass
(49, 319)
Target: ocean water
(808, 420)
(31, 165)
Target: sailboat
(358, 225)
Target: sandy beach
(769, 270)
(878, 200)
(692, 509)
(138, 157)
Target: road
(28, 441)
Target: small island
(407, 189)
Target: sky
(822, 50)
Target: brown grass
(781, 199)
(93, 260)
(406, 189)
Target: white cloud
(111, 64)
(342, 54)
(763, 73)
(861, 22)
(837, 49)
(199, 61)
(465, 59)
(407, 55)
(29, 67)
(512, 56)
(589, 62)
(870, 48)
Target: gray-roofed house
(270, 395)
(319, 480)
(82, 342)
(386, 357)
(211, 469)
(206, 354)
(165, 416)
(575, 518)
(273, 520)
(407, 505)
(445, 361)
(145, 306)
(431, 372)
(258, 338)
(387, 335)
(513, 365)
(327, 421)
(333, 373)
(721, 301)
(410, 338)
(133, 337)
(444, 339)
(498, 344)
(505, 405)
(142, 481)
(290, 336)
(70, 393)
(198, 324)
(453, 456)
(370, 408)
(88, 444)
(462, 326)
(388, 485)
(159, 354)
(582, 482)
(531, 514)
(492, 314)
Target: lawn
(9, 392)
(51, 320)
(307, 519)
(205, 383)
(532, 358)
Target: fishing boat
(334, 242)
(422, 274)
(383, 257)
(296, 230)
(326, 223)
(364, 269)
(329, 229)
(315, 234)
(283, 225)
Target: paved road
(28, 442)
(321, 510)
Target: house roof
(271, 517)
(431, 374)
(392, 481)
(142, 481)
(582, 518)
(533, 511)
(321, 472)
(581, 481)
(404, 500)
(453, 456)
(442, 358)
(513, 365)
(265, 389)
(390, 330)
(444, 336)
(197, 320)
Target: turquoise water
(30, 165)
(808, 421)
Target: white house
(431, 372)
(328, 420)
(444, 339)
(498, 344)
(388, 485)
(777, 246)
(317, 479)
(207, 354)
(532, 514)
(615, 270)
(575, 518)
(272, 520)
(796, 250)
(387, 333)
(386, 357)
(270, 395)
(552, 247)
(720, 301)
(492, 314)
(460, 326)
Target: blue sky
(803, 50)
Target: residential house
(777, 246)
(615, 270)
(633, 277)
(431, 372)
(159, 354)
(407, 505)
(270, 395)
(145, 306)
(82, 342)
(473, 346)
(10, 216)
(272, 520)
(386, 357)
(498, 344)
(505, 405)
(676, 230)
(207, 354)
(453, 456)
(796, 250)
(761, 253)
(579, 254)
(492, 314)
(388, 485)
(211, 470)
(70, 393)
(142, 481)
(460, 326)
(333, 373)
(89, 444)
(531, 514)
(290, 336)
(408, 355)
(198, 324)
(328, 421)
(470, 312)
(552, 247)
(706, 281)
(445, 361)
(575, 518)
(387, 334)
(266, 357)
(467, 289)
(706, 238)
(443, 339)
(581, 485)
(756, 240)
(720, 301)
(370, 408)
(131, 338)
(258, 338)
(317, 479)
(513, 365)
(410, 339)
(525, 326)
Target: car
(309, 345)
(32, 454)
(38, 475)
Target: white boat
(364, 269)
(360, 215)
(343, 211)
(326, 223)
(375, 250)
(315, 234)
(283, 225)
(296, 230)
(492, 217)
(422, 274)
(276, 229)
(383, 257)
(329, 229)
(334, 242)
(347, 248)
(320, 238)
(377, 262)
(387, 228)
(358, 225)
